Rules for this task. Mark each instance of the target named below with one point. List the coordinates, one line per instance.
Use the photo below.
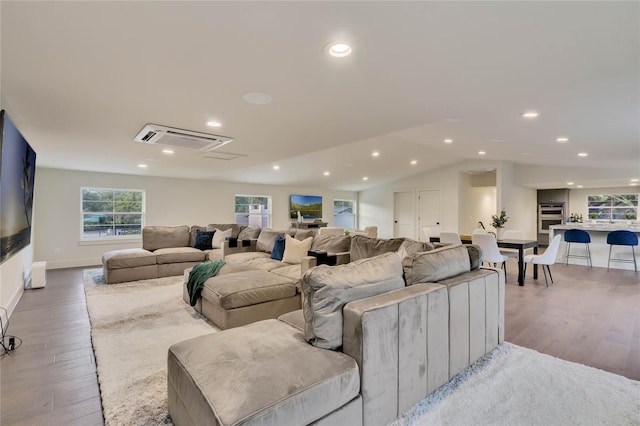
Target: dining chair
(622, 238)
(331, 230)
(511, 235)
(450, 238)
(545, 259)
(490, 250)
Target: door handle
(395, 221)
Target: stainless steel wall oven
(549, 214)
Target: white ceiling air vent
(155, 134)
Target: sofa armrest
(343, 258)
(308, 262)
(241, 247)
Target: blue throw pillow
(203, 240)
(278, 248)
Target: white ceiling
(80, 79)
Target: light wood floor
(589, 316)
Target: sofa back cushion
(363, 247)
(267, 239)
(249, 233)
(327, 289)
(435, 265)
(409, 246)
(157, 237)
(332, 243)
(224, 226)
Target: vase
(499, 233)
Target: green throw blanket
(198, 275)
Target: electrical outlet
(56, 251)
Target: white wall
(459, 199)
(169, 201)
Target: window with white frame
(112, 213)
(613, 207)
(253, 210)
(344, 214)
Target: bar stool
(577, 236)
(622, 238)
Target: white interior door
(429, 213)
(404, 214)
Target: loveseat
(374, 337)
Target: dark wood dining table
(520, 245)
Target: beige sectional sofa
(373, 337)
(166, 251)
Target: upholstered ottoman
(235, 299)
(129, 265)
(281, 380)
(228, 268)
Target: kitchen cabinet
(553, 196)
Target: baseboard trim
(77, 263)
(13, 302)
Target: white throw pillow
(219, 237)
(295, 250)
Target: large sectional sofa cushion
(399, 339)
(327, 289)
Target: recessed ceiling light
(482, 152)
(338, 49)
(327, 173)
(579, 186)
(448, 140)
(633, 184)
(569, 183)
(562, 139)
(276, 167)
(142, 166)
(214, 124)
(497, 140)
(634, 180)
(167, 151)
(414, 162)
(375, 154)
(526, 153)
(256, 98)
(365, 178)
(530, 114)
(583, 154)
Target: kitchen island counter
(598, 247)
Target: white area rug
(133, 325)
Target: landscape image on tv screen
(17, 173)
(309, 206)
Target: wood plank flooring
(589, 316)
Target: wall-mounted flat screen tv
(309, 206)
(17, 173)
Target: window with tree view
(112, 212)
(253, 210)
(613, 207)
(344, 214)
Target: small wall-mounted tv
(309, 206)
(17, 173)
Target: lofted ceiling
(80, 79)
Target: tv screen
(17, 173)
(309, 206)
